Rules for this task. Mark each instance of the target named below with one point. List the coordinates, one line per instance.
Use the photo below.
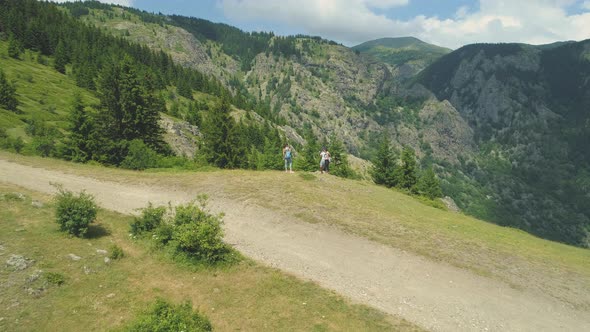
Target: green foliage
(74, 213)
(406, 173)
(384, 164)
(61, 57)
(199, 233)
(428, 185)
(139, 156)
(191, 232)
(220, 137)
(15, 47)
(7, 93)
(116, 252)
(54, 278)
(151, 218)
(164, 316)
(339, 165)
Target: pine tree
(406, 173)
(384, 164)
(61, 57)
(218, 137)
(81, 128)
(339, 165)
(7, 93)
(15, 47)
(428, 184)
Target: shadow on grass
(97, 231)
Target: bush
(74, 213)
(164, 316)
(116, 252)
(57, 279)
(151, 217)
(199, 233)
(140, 156)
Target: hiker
(288, 156)
(325, 161)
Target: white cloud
(355, 21)
(126, 3)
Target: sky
(448, 23)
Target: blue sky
(450, 23)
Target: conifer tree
(61, 57)
(384, 164)
(7, 93)
(81, 141)
(218, 136)
(428, 184)
(406, 174)
(15, 47)
(339, 165)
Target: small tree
(74, 213)
(7, 93)
(406, 173)
(428, 185)
(339, 163)
(140, 156)
(15, 48)
(384, 164)
(61, 57)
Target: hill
(313, 226)
(528, 107)
(408, 55)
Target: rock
(450, 203)
(74, 257)
(101, 251)
(87, 270)
(107, 260)
(110, 296)
(37, 204)
(33, 277)
(18, 262)
(216, 290)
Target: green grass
(42, 92)
(385, 216)
(100, 296)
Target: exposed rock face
(181, 136)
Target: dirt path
(435, 296)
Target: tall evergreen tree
(130, 110)
(384, 164)
(60, 57)
(7, 93)
(81, 141)
(428, 184)
(219, 137)
(406, 173)
(15, 47)
(339, 165)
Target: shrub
(116, 252)
(54, 278)
(74, 213)
(164, 316)
(199, 233)
(151, 217)
(140, 156)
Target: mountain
(408, 55)
(503, 126)
(528, 107)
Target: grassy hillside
(43, 93)
(102, 296)
(385, 216)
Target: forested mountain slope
(529, 108)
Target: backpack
(288, 154)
